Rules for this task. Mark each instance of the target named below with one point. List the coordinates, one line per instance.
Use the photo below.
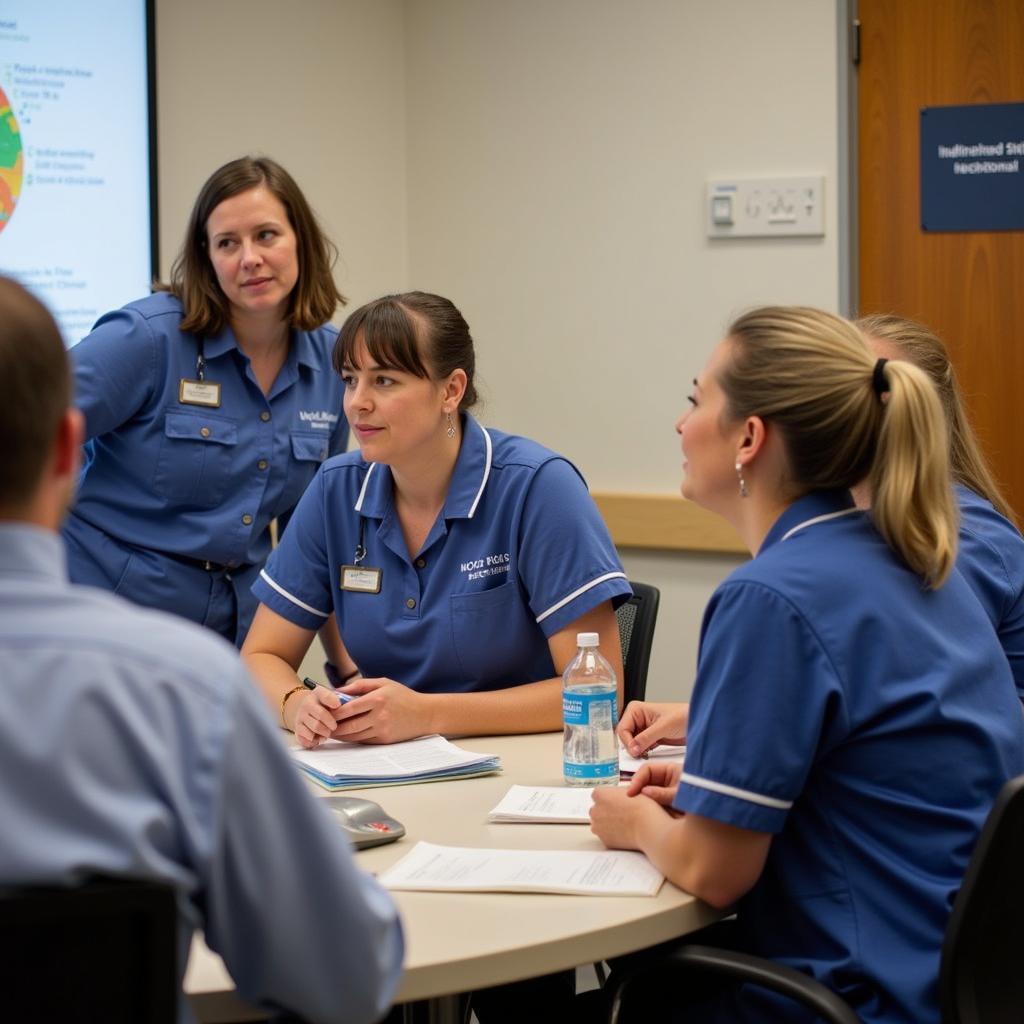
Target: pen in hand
(312, 684)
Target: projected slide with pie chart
(74, 155)
(11, 161)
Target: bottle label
(591, 771)
(587, 709)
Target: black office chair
(102, 953)
(980, 976)
(637, 618)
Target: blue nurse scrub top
(169, 486)
(869, 724)
(518, 553)
(991, 557)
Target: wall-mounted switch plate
(765, 207)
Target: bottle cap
(587, 639)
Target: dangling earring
(744, 493)
(450, 429)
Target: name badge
(199, 392)
(362, 579)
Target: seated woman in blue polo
(451, 564)
(853, 715)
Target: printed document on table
(459, 869)
(337, 764)
(629, 765)
(544, 804)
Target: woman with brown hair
(853, 715)
(209, 405)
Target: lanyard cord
(360, 547)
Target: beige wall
(558, 151)
(543, 163)
(317, 84)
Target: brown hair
(35, 391)
(922, 347)
(418, 332)
(810, 374)
(314, 298)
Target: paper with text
(460, 869)
(544, 804)
(337, 764)
(629, 765)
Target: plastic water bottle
(589, 709)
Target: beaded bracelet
(284, 700)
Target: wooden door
(967, 286)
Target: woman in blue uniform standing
(209, 405)
(853, 715)
(991, 555)
(457, 562)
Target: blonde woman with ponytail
(991, 549)
(844, 740)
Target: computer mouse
(364, 821)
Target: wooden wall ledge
(665, 522)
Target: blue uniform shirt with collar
(518, 553)
(148, 752)
(868, 723)
(163, 477)
(991, 558)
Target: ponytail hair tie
(878, 381)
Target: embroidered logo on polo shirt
(318, 420)
(489, 565)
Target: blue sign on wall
(972, 168)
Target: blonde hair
(810, 375)
(922, 347)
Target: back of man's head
(35, 391)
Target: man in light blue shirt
(133, 744)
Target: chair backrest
(981, 980)
(104, 952)
(637, 618)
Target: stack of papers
(459, 869)
(567, 805)
(337, 765)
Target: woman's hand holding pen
(644, 725)
(314, 716)
(382, 711)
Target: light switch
(721, 209)
(765, 207)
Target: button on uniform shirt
(991, 558)
(163, 476)
(134, 744)
(869, 724)
(518, 553)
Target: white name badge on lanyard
(362, 579)
(199, 392)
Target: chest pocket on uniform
(308, 451)
(488, 631)
(195, 459)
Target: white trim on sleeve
(487, 473)
(740, 794)
(291, 597)
(582, 590)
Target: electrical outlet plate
(765, 207)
